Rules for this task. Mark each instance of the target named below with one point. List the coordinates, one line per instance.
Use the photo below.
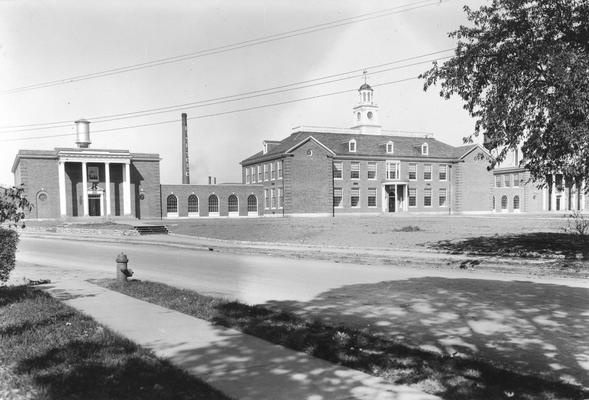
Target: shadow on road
(536, 329)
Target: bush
(578, 226)
(8, 241)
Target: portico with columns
(94, 183)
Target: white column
(62, 192)
(85, 188)
(127, 190)
(107, 187)
(553, 197)
(406, 198)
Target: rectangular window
(338, 170)
(273, 198)
(280, 198)
(516, 180)
(427, 197)
(393, 170)
(355, 197)
(337, 197)
(280, 169)
(412, 197)
(497, 180)
(253, 172)
(371, 170)
(427, 172)
(412, 172)
(443, 172)
(442, 197)
(355, 170)
(265, 172)
(266, 199)
(272, 172)
(371, 197)
(247, 175)
(508, 180)
(259, 173)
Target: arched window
(172, 204)
(233, 204)
(192, 204)
(252, 204)
(213, 204)
(493, 206)
(515, 203)
(504, 203)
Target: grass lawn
(446, 376)
(50, 351)
(439, 232)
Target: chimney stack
(215, 180)
(185, 159)
(83, 133)
(209, 180)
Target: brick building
(77, 182)
(98, 183)
(329, 171)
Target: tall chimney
(209, 180)
(185, 159)
(83, 133)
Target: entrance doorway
(94, 209)
(392, 201)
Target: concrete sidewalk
(239, 365)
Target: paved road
(248, 278)
(538, 326)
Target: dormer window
(352, 146)
(424, 149)
(390, 147)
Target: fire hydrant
(122, 271)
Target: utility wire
(217, 114)
(230, 47)
(227, 99)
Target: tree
(13, 205)
(522, 69)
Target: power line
(227, 99)
(230, 47)
(217, 114)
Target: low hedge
(8, 241)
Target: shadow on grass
(52, 352)
(537, 244)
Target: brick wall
(145, 189)
(309, 180)
(475, 183)
(40, 176)
(202, 192)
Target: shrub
(8, 241)
(578, 226)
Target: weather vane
(365, 73)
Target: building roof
(365, 86)
(85, 152)
(366, 146)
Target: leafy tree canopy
(13, 205)
(522, 69)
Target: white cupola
(83, 133)
(366, 112)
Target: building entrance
(392, 202)
(94, 209)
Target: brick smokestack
(185, 159)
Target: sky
(58, 42)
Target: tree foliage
(13, 205)
(522, 69)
